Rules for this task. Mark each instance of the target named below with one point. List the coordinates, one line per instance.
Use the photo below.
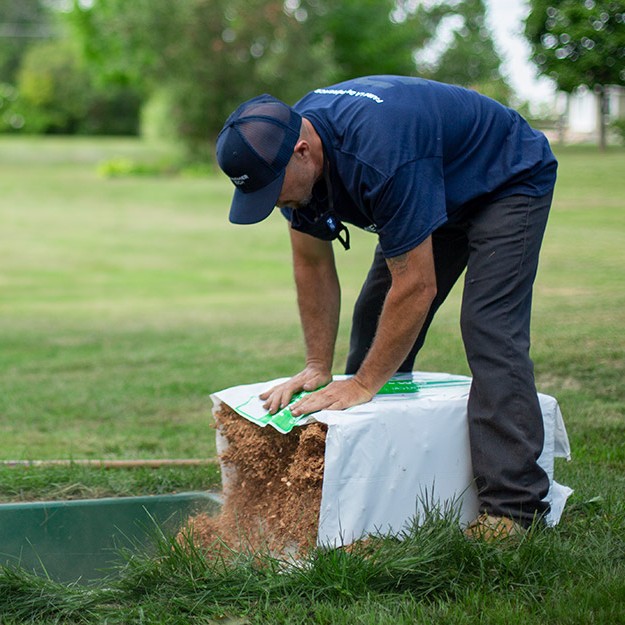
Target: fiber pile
(272, 494)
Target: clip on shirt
(324, 225)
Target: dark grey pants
(499, 245)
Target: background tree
(472, 60)
(206, 56)
(56, 94)
(580, 42)
(53, 88)
(200, 58)
(373, 36)
(21, 25)
(193, 61)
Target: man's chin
(303, 204)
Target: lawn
(126, 301)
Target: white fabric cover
(385, 459)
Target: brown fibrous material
(273, 492)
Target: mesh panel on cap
(265, 137)
(269, 109)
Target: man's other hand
(311, 378)
(338, 395)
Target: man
(448, 180)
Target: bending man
(448, 180)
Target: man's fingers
(313, 403)
(279, 396)
(313, 383)
(336, 396)
(275, 401)
(271, 406)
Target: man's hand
(338, 395)
(311, 378)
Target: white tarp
(384, 459)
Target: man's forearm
(318, 298)
(399, 325)
(404, 312)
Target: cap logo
(239, 180)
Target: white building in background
(580, 112)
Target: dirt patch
(273, 492)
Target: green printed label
(244, 412)
(283, 420)
(396, 387)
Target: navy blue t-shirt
(406, 155)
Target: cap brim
(250, 208)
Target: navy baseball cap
(253, 149)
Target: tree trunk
(601, 116)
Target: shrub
(56, 94)
(618, 127)
(10, 119)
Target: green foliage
(207, 55)
(371, 36)
(201, 59)
(194, 61)
(497, 89)
(22, 23)
(53, 88)
(57, 95)
(124, 166)
(471, 59)
(578, 42)
(156, 121)
(10, 119)
(113, 110)
(618, 126)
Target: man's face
(298, 184)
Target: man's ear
(302, 149)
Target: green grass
(80, 482)
(127, 301)
(432, 576)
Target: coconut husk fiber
(272, 493)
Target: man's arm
(404, 312)
(318, 298)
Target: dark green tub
(79, 540)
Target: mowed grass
(126, 302)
